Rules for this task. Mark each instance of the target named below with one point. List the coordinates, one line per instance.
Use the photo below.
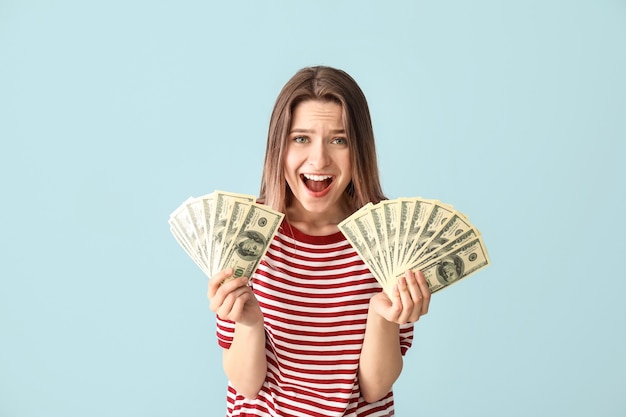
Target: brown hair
(325, 84)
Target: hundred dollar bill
(252, 240)
(377, 217)
(181, 241)
(454, 265)
(461, 239)
(406, 207)
(208, 205)
(238, 213)
(183, 229)
(419, 212)
(390, 210)
(363, 222)
(221, 214)
(455, 226)
(196, 214)
(354, 237)
(438, 217)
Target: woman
(313, 334)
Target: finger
(236, 311)
(217, 280)
(408, 303)
(413, 286)
(395, 309)
(425, 290)
(224, 290)
(416, 295)
(227, 308)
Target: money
(349, 228)
(394, 236)
(455, 265)
(183, 229)
(224, 230)
(252, 240)
(366, 229)
(221, 217)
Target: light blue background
(114, 112)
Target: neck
(312, 228)
(316, 224)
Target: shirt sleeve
(406, 337)
(225, 331)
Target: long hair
(324, 84)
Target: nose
(319, 156)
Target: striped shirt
(314, 293)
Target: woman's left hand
(408, 302)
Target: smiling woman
(312, 333)
(317, 165)
(329, 86)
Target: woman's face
(317, 163)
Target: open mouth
(316, 183)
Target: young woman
(312, 334)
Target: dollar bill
(419, 215)
(208, 209)
(183, 228)
(406, 207)
(390, 209)
(237, 215)
(355, 238)
(366, 230)
(456, 242)
(438, 216)
(211, 228)
(252, 240)
(415, 233)
(454, 226)
(377, 217)
(196, 213)
(222, 211)
(455, 265)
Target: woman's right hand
(233, 299)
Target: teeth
(316, 177)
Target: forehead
(316, 111)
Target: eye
(340, 141)
(300, 139)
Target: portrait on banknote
(449, 270)
(250, 245)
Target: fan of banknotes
(228, 230)
(225, 230)
(415, 233)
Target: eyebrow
(334, 131)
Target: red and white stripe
(314, 292)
